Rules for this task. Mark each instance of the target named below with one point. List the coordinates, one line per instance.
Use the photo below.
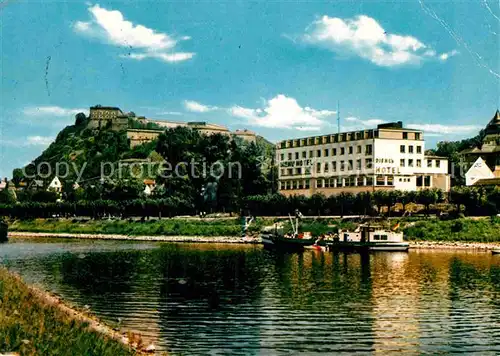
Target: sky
(279, 68)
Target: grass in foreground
(31, 326)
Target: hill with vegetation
(81, 154)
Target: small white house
(55, 185)
(479, 170)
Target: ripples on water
(226, 299)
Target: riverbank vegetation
(30, 325)
(471, 201)
(486, 229)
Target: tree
(407, 197)
(427, 197)
(80, 119)
(380, 199)
(17, 176)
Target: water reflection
(225, 299)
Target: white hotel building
(385, 158)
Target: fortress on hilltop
(141, 129)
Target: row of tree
(474, 201)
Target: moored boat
(276, 238)
(496, 251)
(3, 231)
(370, 238)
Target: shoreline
(157, 238)
(418, 245)
(127, 338)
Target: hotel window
(417, 136)
(368, 163)
(402, 162)
(290, 171)
(380, 180)
(419, 181)
(350, 166)
(369, 150)
(348, 182)
(339, 182)
(298, 171)
(405, 135)
(282, 156)
(402, 149)
(410, 163)
(326, 168)
(296, 155)
(359, 181)
(304, 154)
(410, 149)
(419, 163)
(438, 163)
(299, 184)
(334, 166)
(307, 170)
(351, 150)
(358, 164)
(342, 151)
(318, 167)
(303, 142)
(311, 154)
(429, 163)
(294, 184)
(319, 183)
(283, 171)
(290, 156)
(427, 181)
(369, 181)
(327, 139)
(318, 153)
(327, 151)
(419, 149)
(390, 180)
(311, 141)
(342, 166)
(307, 184)
(358, 149)
(334, 151)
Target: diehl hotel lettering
(386, 169)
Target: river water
(238, 299)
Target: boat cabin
(370, 234)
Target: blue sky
(278, 68)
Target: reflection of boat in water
(3, 231)
(370, 238)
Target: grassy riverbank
(31, 325)
(464, 229)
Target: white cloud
(52, 111)
(194, 106)
(446, 56)
(111, 26)
(166, 57)
(28, 141)
(363, 36)
(362, 124)
(283, 112)
(446, 129)
(39, 140)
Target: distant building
(489, 150)
(3, 184)
(113, 118)
(55, 185)
(150, 185)
(103, 117)
(388, 157)
(477, 172)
